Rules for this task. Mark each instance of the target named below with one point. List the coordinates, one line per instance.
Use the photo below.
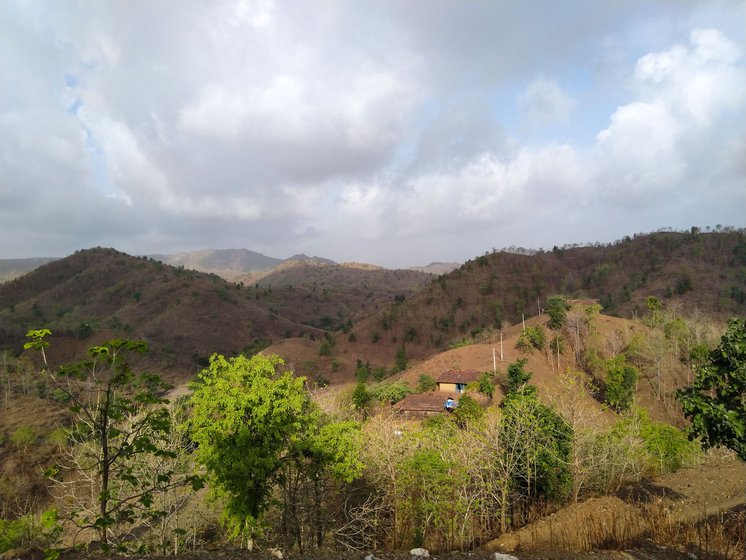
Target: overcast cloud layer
(391, 132)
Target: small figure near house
(450, 404)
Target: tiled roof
(425, 402)
(458, 376)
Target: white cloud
(698, 81)
(340, 127)
(544, 102)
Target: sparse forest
(307, 451)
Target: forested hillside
(696, 272)
(101, 293)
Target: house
(456, 380)
(451, 384)
(425, 404)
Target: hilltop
(97, 294)
(697, 273)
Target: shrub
(23, 436)
(485, 384)
(531, 338)
(467, 411)
(517, 376)
(30, 531)
(426, 383)
(360, 396)
(390, 392)
(620, 383)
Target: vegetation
(303, 469)
(715, 402)
(120, 425)
(620, 383)
(426, 383)
(256, 431)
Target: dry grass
(611, 524)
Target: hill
(97, 294)
(332, 296)
(694, 272)
(13, 268)
(228, 263)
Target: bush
(23, 436)
(426, 383)
(531, 338)
(485, 384)
(620, 383)
(390, 392)
(668, 448)
(517, 376)
(325, 349)
(467, 411)
(29, 531)
(360, 396)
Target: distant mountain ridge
(13, 268)
(437, 267)
(235, 265)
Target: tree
(467, 411)
(119, 422)
(485, 384)
(620, 383)
(557, 311)
(517, 376)
(401, 359)
(244, 420)
(256, 430)
(531, 337)
(715, 402)
(360, 396)
(426, 383)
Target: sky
(392, 132)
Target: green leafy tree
(426, 383)
(540, 441)
(362, 371)
(244, 421)
(120, 422)
(557, 308)
(486, 386)
(531, 338)
(324, 454)
(468, 411)
(390, 393)
(655, 313)
(517, 376)
(401, 359)
(360, 396)
(620, 383)
(715, 402)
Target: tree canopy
(716, 401)
(250, 421)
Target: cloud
(646, 149)
(543, 102)
(391, 133)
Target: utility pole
(501, 347)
